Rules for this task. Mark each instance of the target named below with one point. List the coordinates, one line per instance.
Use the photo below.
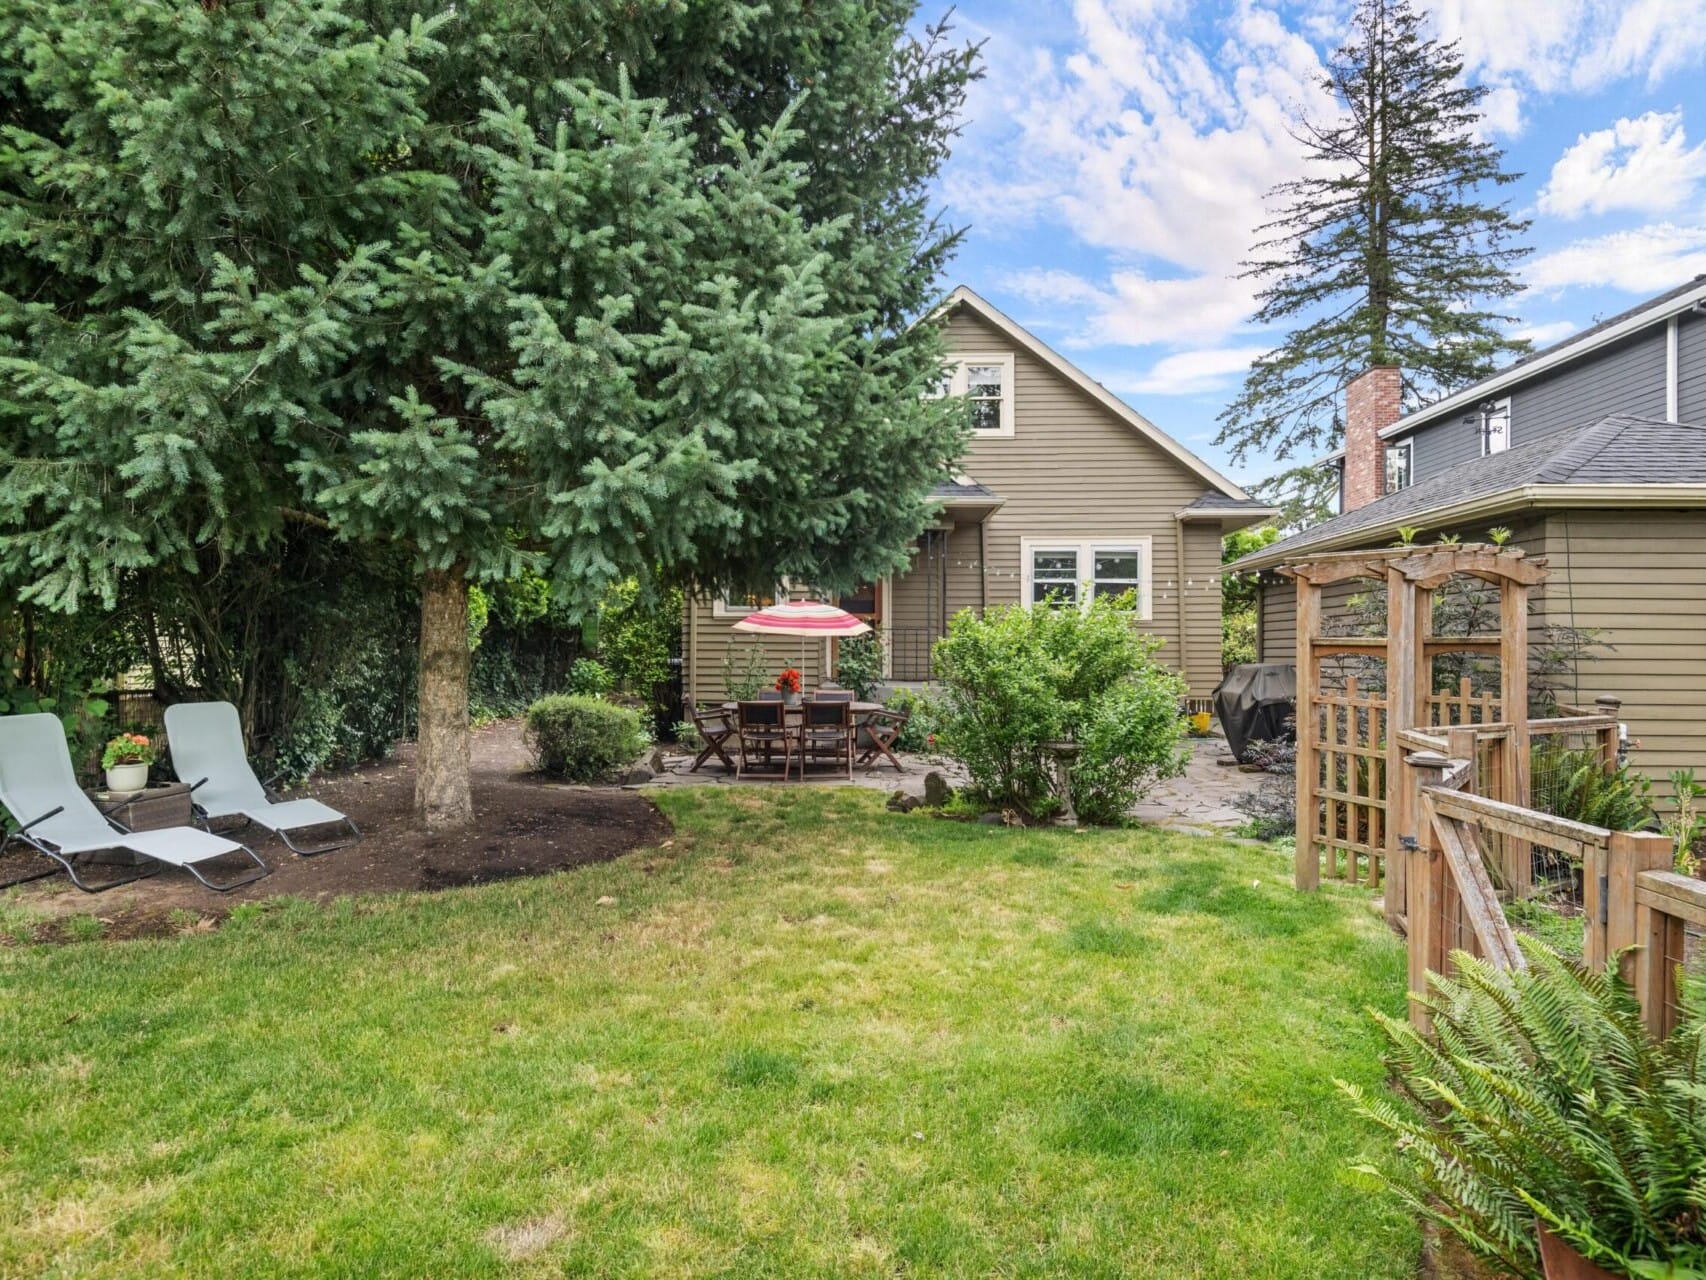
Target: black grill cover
(1254, 702)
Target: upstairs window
(1398, 457)
(1495, 423)
(987, 382)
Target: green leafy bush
(590, 678)
(859, 665)
(1016, 680)
(1572, 782)
(746, 669)
(583, 739)
(924, 718)
(637, 636)
(1543, 1096)
(1238, 637)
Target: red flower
(788, 681)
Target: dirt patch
(523, 826)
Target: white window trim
(721, 608)
(1501, 408)
(1087, 550)
(1408, 448)
(959, 385)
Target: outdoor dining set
(771, 737)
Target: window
(986, 381)
(1074, 573)
(740, 606)
(1398, 466)
(1495, 422)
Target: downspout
(1184, 641)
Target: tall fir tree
(1388, 252)
(599, 289)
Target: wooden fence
(1471, 854)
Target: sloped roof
(1621, 450)
(1214, 503)
(964, 297)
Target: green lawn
(808, 1038)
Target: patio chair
(716, 727)
(763, 725)
(207, 752)
(878, 734)
(58, 821)
(827, 733)
(832, 695)
(770, 695)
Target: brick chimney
(1373, 401)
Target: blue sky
(1117, 153)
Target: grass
(808, 1038)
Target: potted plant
(126, 760)
(788, 685)
(1543, 1124)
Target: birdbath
(1064, 754)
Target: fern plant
(1543, 1098)
(1571, 782)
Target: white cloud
(1189, 372)
(1134, 309)
(1581, 45)
(1544, 335)
(1641, 165)
(1642, 260)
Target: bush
(924, 719)
(583, 739)
(590, 678)
(859, 665)
(1016, 680)
(1270, 810)
(1238, 638)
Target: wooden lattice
(1348, 751)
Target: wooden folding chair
(716, 727)
(827, 733)
(763, 725)
(878, 734)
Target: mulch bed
(523, 826)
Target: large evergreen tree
(601, 289)
(1390, 251)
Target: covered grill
(1255, 703)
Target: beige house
(1064, 489)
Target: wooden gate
(1348, 751)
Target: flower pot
(791, 699)
(127, 777)
(1563, 1263)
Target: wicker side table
(165, 804)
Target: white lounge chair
(207, 752)
(59, 821)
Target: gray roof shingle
(1620, 449)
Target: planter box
(165, 805)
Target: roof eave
(1503, 502)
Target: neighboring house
(1593, 454)
(1063, 488)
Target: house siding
(1691, 369)
(1639, 580)
(708, 640)
(1072, 470)
(1277, 621)
(1628, 377)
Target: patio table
(797, 715)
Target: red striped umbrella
(803, 618)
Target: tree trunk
(442, 797)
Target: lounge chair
(60, 822)
(207, 752)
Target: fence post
(1307, 867)
(1660, 936)
(1627, 855)
(1610, 747)
(1423, 879)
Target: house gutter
(1530, 497)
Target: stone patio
(1199, 802)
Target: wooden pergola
(1349, 757)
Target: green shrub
(1571, 782)
(583, 739)
(590, 678)
(637, 636)
(746, 669)
(859, 665)
(1016, 680)
(924, 718)
(1543, 1096)
(1238, 637)
(1128, 741)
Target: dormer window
(987, 382)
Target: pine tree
(595, 289)
(1387, 253)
